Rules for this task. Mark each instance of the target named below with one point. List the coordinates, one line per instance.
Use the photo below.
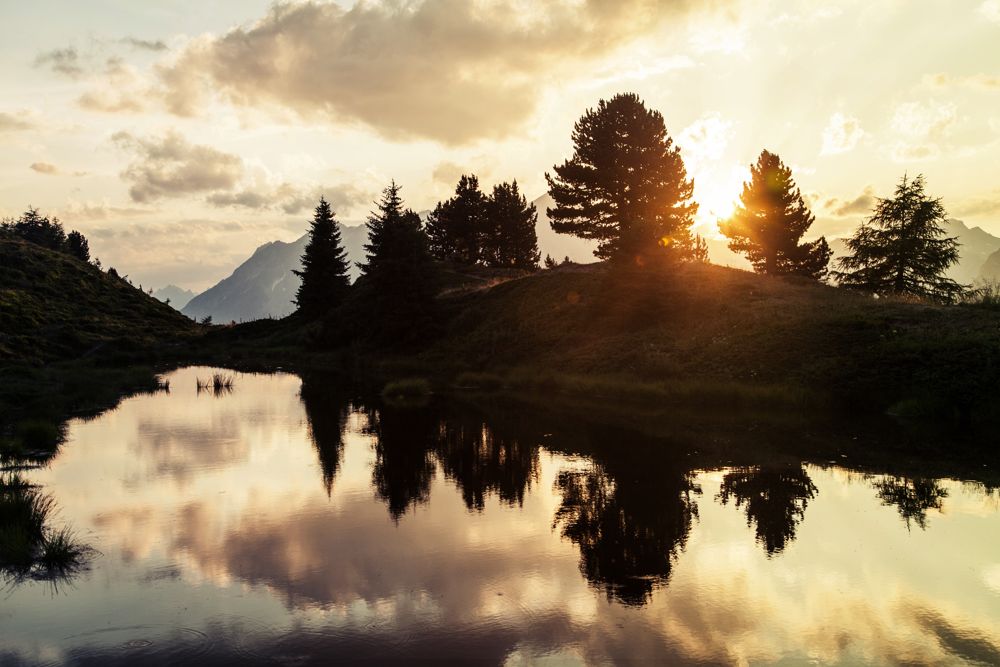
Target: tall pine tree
(625, 186)
(399, 277)
(324, 266)
(769, 224)
(510, 241)
(902, 248)
(456, 227)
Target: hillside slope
(707, 323)
(54, 307)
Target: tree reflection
(404, 465)
(327, 412)
(481, 462)
(629, 531)
(773, 498)
(912, 497)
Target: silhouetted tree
(769, 224)
(399, 279)
(902, 248)
(774, 500)
(625, 186)
(324, 265)
(510, 241)
(78, 246)
(699, 249)
(40, 230)
(911, 497)
(550, 263)
(457, 227)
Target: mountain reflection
(774, 499)
(911, 497)
(629, 531)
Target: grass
(218, 384)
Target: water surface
(283, 523)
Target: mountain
(174, 295)
(56, 307)
(264, 285)
(977, 247)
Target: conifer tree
(769, 224)
(902, 248)
(78, 246)
(625, 186)
(550, 263)
(511, 241)
(399, 278)
(456, 227)
(324, 265)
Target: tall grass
(218, 384)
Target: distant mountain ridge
(264, 286)
(174, 296)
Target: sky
(180, 135)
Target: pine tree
(399, 278)
(699, 249)
(769, 224)
(38, 229)
(78, 246)
(324, 265)
(902, 248)
(625, 186)
(550, 263)
(511, 241)
(456, 227)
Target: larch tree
(456, 227)
(902, 249)
(325, 281)
(769, 224)
(625, 185)
(511, 240)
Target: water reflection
(293, 522)
(774, 499)
(912, 498)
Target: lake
(292, 523)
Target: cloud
(13, 123)
(982, 207)
(63, 61)
(860, 205)
(290, 198)
(90, 210)
(990, 10)
(923, 127)
(45, 168)
(118, 92)
(986, 82)
(171, 167)
(841, 135)
(145, 44)
(448, 70)
(705, 139)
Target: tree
(324, 265)
(511, 241)
(769, 224)
(456, 227)
(78, 246)
(625, 186)
(40, 230)
(699, 249)
(550, 263)
(902, 248)
(399, 278)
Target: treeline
(46, 232)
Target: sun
(717, 192)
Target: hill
(701, 326)
(264, 286)
(174, 295)
(55, 307)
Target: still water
(291, 524)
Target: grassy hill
(54, 307)
(705, 332)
